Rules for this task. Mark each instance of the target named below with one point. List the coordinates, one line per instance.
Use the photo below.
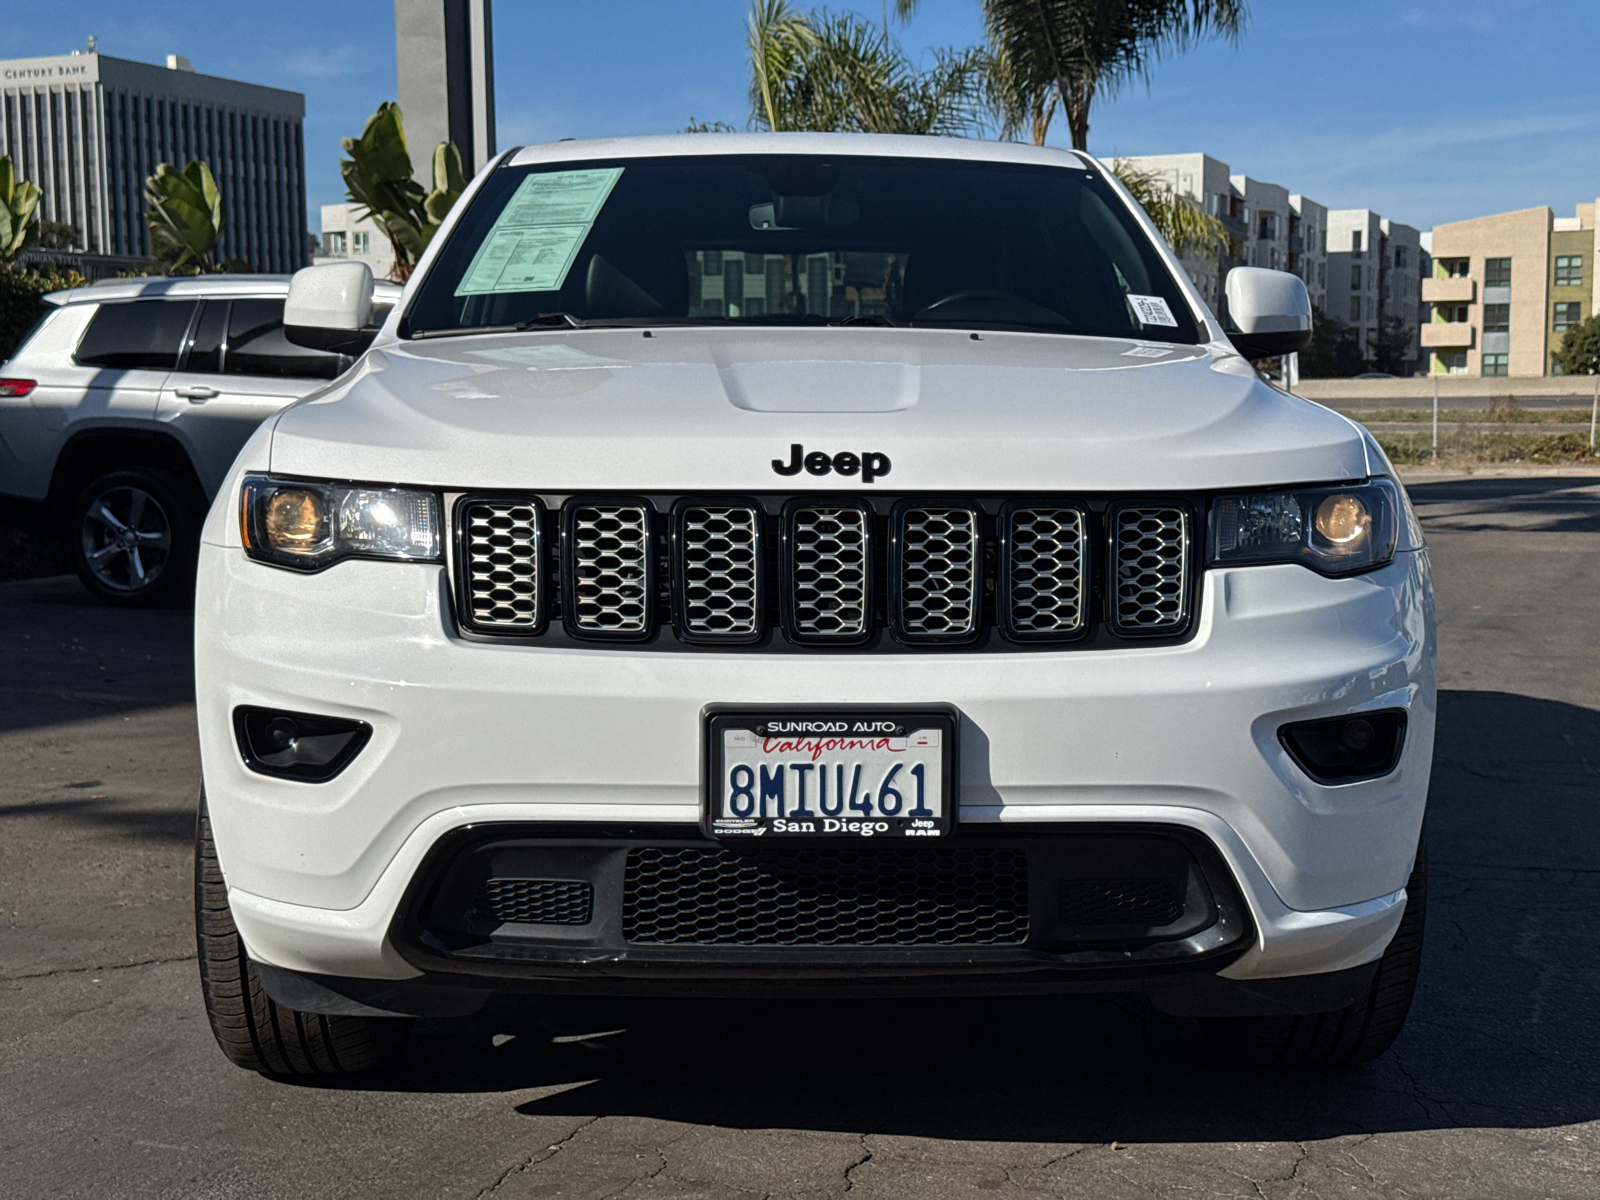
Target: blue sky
(1425, 110)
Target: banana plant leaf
(18, 201)
(185, 213)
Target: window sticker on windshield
(1152, 310)
(532, 244)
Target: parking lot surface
(110, 1084)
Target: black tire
(254, 1031)
(151, 562)
(1357, 1033)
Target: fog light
(297, 745)
(1346, 749)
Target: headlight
(293, 523)
(1334, 530)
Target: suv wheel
(135, 535)
(1346, 1036)
(255, 1031)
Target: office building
(1505, 289)
(1375, 278)
(89, 129)
(345, 237)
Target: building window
(1268, 227)
(1497, 318)
(1454, 268)
(1355, 310)
(1569, 270)
(1453, 362)
(1454, 313)
(1568, 314)
(1496, 272)
(336, 244)
(361, 243)
(1322, 274)
(711, 261)
(1355, 242)
(1494, 364)
(755, 264)
(1400, 257)
(1272, 257)
(1355, 277)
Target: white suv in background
(126, 404)
(808, 567)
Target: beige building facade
(345, 237)
(1506, 288)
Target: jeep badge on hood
(868, 465)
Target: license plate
(830, 774)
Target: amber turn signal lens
(295, 520)
(1343, 520)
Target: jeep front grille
(1151, 561)
(501, 540)
(773, 571)
(1045, 572)
(938, 574)
(828, 573)
(608, 555)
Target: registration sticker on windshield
(533, 242)
(1152, 310)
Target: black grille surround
(825, 573)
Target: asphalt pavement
(110, 1084)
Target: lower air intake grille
(828, 572)
(535, 901)
(610, 563)
(827, 896)
(1143, 902)
(1151, 561)
(500, 544)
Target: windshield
(801, 240)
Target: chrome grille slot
(718, 572)
(938, 577)
(608, 566)
(828, 573)
(500, 552)
(1150, 558)
(1046, 568)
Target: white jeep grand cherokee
(816, 566)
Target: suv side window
(205, 348)
(256, 345)
(142, 334)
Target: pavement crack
(536, 1158)
(849, 1172)
(104, 969)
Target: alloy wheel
(127, 538)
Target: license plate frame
(825, 722)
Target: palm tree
(1186, 226)
(823, 71)
(1047, 53)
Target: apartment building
(1267, 226)
(1506, 288)
(1375, 274)
(345, 237)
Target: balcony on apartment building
(1456, 290)
(1448, 335)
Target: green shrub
(21, 304)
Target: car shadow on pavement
(1500, 1035)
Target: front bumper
(467, 734)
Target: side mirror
(1271, 311)
(330, 308)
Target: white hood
(682, 409)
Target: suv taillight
(16, 387)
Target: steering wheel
(978, 294)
